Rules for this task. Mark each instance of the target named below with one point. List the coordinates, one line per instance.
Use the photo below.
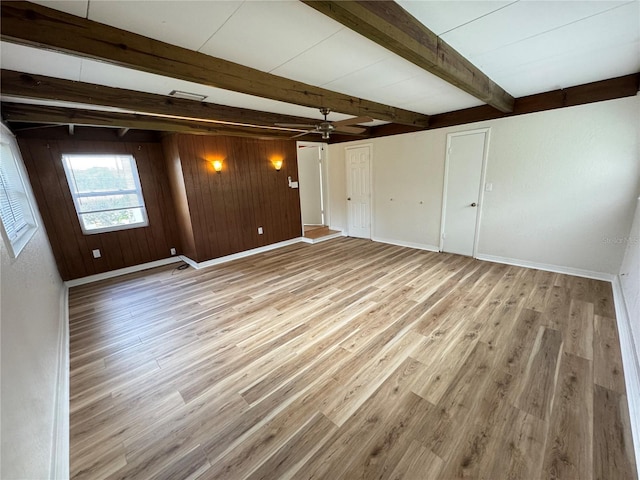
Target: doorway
(359, 191)
(311, 184)
(463, 193)
(312, 178)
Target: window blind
(11, 197)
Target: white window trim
(137, 191)
(17, 245)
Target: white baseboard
(401, 243)
(630, 363)
(236, 256)
(59, 469)
(181, 258)
(122, 271)
(607, 277)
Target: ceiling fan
(326, 127)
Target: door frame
(483, 172)
(346, 166)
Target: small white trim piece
(236, 256)
(60, 435)
(578, 272)
(630, 362)
(401, 243)
(190, 262)
(322, 239)
(122, 271)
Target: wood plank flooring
(347, 359)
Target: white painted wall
(564, 186)
(33, 342)
(406, 170)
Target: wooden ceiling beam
(41, 114)
(41, 87)
(389, 25)
(30, 24)
(600, 91)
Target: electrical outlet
(173, 251)
(96, 253)
(260, 231)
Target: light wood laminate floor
(343, 360)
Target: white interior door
(466, 153)
(359, 191)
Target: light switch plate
(96, 253)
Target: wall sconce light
(277, 164)
(217, 166)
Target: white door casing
(358, 161)
(463, 191)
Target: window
(106, 192)
(16, 212)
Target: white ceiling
(525, 46)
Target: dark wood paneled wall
(72, 249)
(179, 195)
(226, 209)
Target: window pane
(101, 173)
(108, 202)
(106, 192)
(117, 218)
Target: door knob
(349, 198)
(474, 204)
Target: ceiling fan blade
(294, 125)
(353, 121)
(303, 134)
(348, 129)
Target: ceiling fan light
(325, 135)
